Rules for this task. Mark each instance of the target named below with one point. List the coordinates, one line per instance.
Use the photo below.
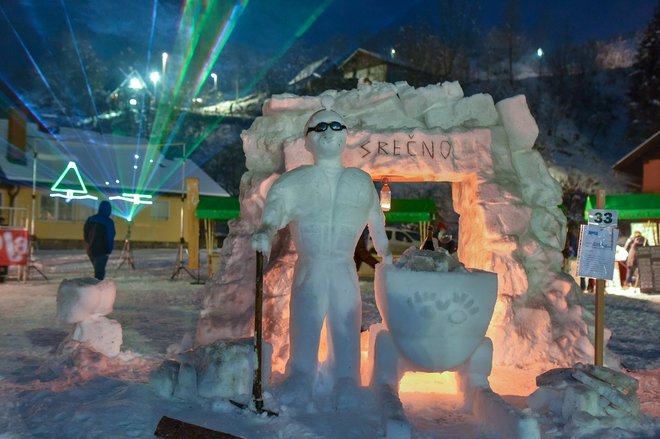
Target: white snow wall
(510, 222)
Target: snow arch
(510, 222)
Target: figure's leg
(486, 405)
(305, 322)
(473, 374)
(344, 321)
(99, 266)
(629, 273)
(385, 358)
(387, 372)
(307, 307)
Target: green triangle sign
(70, 182)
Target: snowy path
(155, 312)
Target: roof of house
(310, 69)
(361, 56)
(633, 162)
(107, 162)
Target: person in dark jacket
(635, 241)
(99, 235)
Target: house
(638, 211)
(364, 65)
(642, 165)
(361, 66)
(106, 166)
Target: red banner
(14, 246)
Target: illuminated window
(55, 209)
(160, 210)
(85, 211)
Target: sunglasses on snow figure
(323, 126)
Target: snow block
(163, 378)
(222, 370)
(84, 298)
(549, 226)
(226, 368)
(538, 186)
(518, 122)
(507, 218)
(186, 384)
(503, 418)
(100, 334)
(288, 101)
(474, 111)
(587, 398)
(416, 101)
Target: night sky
(267, 27)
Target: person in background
(446, 241)
(362, 254)
(635, 241)
(4, 269)
(99, 236)
(430, 243)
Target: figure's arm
(628, 244)
(376, 222)
(274, 218)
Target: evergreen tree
(644, 90)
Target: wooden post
(258, 333)
(191, 222)
(600, 300)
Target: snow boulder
(586, 400)
(85, 302)
(101, 334)
(222, 370)
(84, 298)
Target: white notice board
(596, 251)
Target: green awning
(408, 210)
(218, 208)
(629, 206)
(403, 210)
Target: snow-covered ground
(42, 397)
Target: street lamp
(164, 63)
(215, 81)
(155, 77)
(539, 54)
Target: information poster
(596, 251)
(648, 260)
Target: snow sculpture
(506, 199)
(85, 302)
(589, 401)
(327, 206)
(222, 370)
(435, 316)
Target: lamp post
(180, 265)
(32, 236)
(215, 82)
(539, 55)
(164, 57)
